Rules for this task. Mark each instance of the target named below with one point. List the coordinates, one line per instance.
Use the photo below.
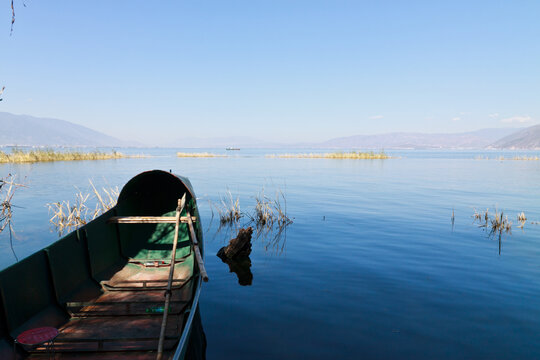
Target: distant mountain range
(24, 130)
(528, 138)
(401, 140)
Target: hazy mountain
(401, 140)
(528, 138)
(33, 131)
(223, 142)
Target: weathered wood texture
(198, 256)
(239, 246)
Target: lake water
(371, 268)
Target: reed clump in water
(229, 210)
(8, 186)
(45, 155)
(336, 155)
(268, 211)
(522, 219)
(268, 217)
(495, 223)
(68, 216)
(199, 155)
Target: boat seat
(136, 276)
(132, 302)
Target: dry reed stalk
(67, 216)
(269, 217)
(8, 186)
(496, 223)
(229, 211)
(522, 219)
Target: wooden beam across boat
(149, 219)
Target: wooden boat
(102, 286)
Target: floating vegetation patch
(335, 155)
(67, 216)
(45, 155)
(199, 155)
(8, 186)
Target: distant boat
(232, 148)
(98, 292)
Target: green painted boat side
(83, 265)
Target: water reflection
(241, 266)
(273, 239)
(196, 349)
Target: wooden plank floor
(117, 355)
(117, 333)
(117, 325)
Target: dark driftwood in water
(239, 246)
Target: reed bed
(335, 155)
(46, 155)
(8, 186)
(68, 216)
(199, 155)
(514, 158)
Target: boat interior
(102, 286)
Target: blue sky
(289, 70)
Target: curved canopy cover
(155, 181)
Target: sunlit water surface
(371, 268)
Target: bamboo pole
(198, 256)
(181, 203)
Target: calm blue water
(371, 267)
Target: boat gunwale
(182, 344)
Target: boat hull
(102, 285)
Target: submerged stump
(236, 255)
(240, 246)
